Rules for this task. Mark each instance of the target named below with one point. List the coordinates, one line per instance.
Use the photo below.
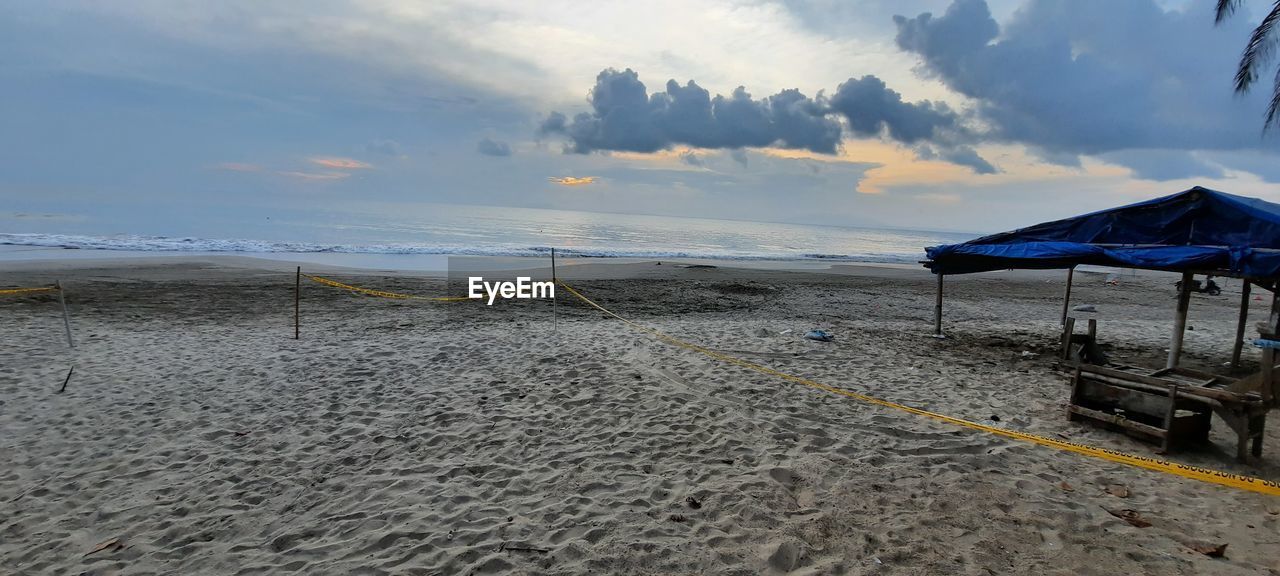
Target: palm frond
(1225, 9)
(1273, 109)
(1259, 50)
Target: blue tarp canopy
(1199, 230)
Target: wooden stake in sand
(1066, 299)
(1180, 321)
(937, 312)
(555, 321)
(66, 319)
(297, 296)
(68, 379)
(1240, 324)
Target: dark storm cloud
(626, 117)
(873, 109)
(490, 147)
(1090, 77)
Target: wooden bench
(1172, 406)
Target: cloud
(338, 163)
(626, 117)
(493, 148)
(316, 176)
(690, 158)
(239, 167)
(573, 181)
(872, 109)
(1163, 165)
(1071, 78)
(383, 147)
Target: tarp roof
(1199, 230)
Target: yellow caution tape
(27, 290)
(1183, 470)
(381, 293)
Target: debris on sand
(1130, 516)
(1118, 491)
(819, 335)
(1211, 550)
(112, 545)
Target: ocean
(446, 229)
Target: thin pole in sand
(66, 319)
(555, 321)
(1066, 300)
(68, 379)
(297, 295)
(937, 312)
(1180, 321)
(1244, 319)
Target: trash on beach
(819, 335)
(1130, 516)
(1211, 550)
(1118, 491)
(1028, 354)
(1113, 279)
(693, 502)
(111, 545)
(1084, 308)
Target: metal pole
(1066, 300)
(1180, 322)
(937, 312)
(66, 319)
(555, 321)
(1244, 318)
(297, 296)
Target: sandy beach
(196, 436)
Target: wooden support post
(1066, 299)
(1180, 321)
(1273, 321)
(555, 320)
(1166, 442)
(937, 312)
(297, 298)
(1244, 319)
(66, 318)
(1268, 375)
(1068, 330)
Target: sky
(965, 115)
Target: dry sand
(419, 438)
